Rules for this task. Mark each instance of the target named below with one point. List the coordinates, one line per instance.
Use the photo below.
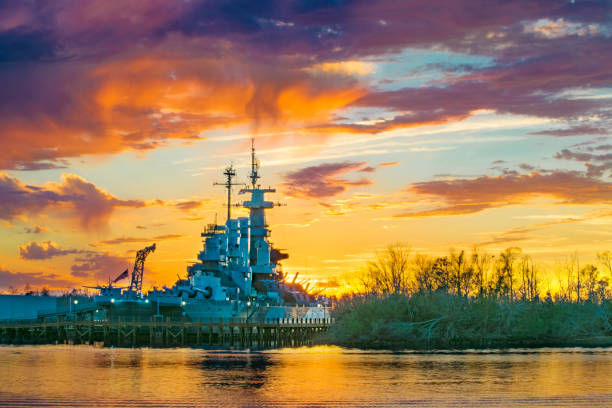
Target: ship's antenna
(254, 164)
(229, 173)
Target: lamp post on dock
(247, 314)
(70, 303)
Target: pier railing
(288, 332)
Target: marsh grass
(441, 320)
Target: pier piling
(165, 333)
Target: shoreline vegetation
(473, 302)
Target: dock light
(183, 303)
(113, 300)
(146, 300)
(76, 302)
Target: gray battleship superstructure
(238, 275)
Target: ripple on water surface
(80, 376)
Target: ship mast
(254, 165)
(229, 174)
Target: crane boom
(137, 273)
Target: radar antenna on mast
(229, 173)
(254, 165)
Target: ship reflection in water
(81, 376)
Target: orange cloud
(389, 164)
(139, 102)
(189, 205)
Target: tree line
(511, 275)
(27, 290)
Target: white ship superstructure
(238, 274)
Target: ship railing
(299, 320)
(139, 322)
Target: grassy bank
(442, 321)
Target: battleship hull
(129, 308)
(290, 313)
(202, 310)
(195, 310)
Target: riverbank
(444, 321)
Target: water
(82, 376)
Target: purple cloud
(91, 205)
(15, 280)
(323, 180)
(577, 130)
(98, 265)
(589, 159)
(84, 78)
(130, 240)
(37, 229)
(44, 250)
(466, 196)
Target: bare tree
(563, 291)
(571, 267)
(605, 259)
(529, 289)
(603, 292)
(457, 264)
(424, 273)
(589, 276)
(480, 262)
(388, 273)
(505, 270)
(467, 278)
(461, 272)
(441, 273)
(510, 275)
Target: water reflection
(118, 360)
(241, 370)
(81, 376)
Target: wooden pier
(166, 333)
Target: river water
(82, 376)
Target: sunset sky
(437, 124)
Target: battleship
(238, 274)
